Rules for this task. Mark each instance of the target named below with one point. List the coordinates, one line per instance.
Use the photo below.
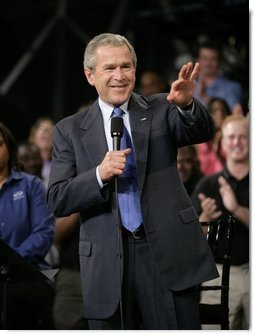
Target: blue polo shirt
(229, 90)
(26, 223)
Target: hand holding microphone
(114, 161)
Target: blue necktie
(128, 195)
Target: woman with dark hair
(210, 154)
(219, 109)
(40, 135)
(28, 227)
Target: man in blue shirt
(212, 84)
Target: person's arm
(65, 226)
(204, 199)
(242, 214)
(42, 224)
(196, 124)
(230, 202)
(65, 181)
(234, 94)
(209, 211)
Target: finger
(216, 215)
(120, 153)
(182, 73)
(195, 71)
(209, 205)
(222, 181)
(119, 165)
(127, 151)
(189, 69)
(211, 208)
(201, 196)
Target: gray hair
(105, 39)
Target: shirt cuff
(188, 113)
(99, 178)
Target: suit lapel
(140, 120)
(93, 134)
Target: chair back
(219, 235)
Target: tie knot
(118, 112)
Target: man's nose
(118, 73)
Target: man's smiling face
(114, 74)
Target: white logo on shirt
(18, 195)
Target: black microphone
(116, 131)
(116, 134)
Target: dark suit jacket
(171, 223)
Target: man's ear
(89, 76)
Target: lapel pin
(144, 119)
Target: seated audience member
(224, 193)
(150, 82)
(68, 304)
(28, 227)
(212, 83)
(188, 167)
(210, 154)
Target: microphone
(116, 134)
(116, 131)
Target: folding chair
(219, 235)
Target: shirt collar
(107, 110)
(14, 175)
(226, 174)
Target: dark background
(42, 44)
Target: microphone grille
(117, 126)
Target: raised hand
(182, 89)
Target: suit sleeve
(70, 191)
(189, 129)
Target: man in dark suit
(139, 274)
